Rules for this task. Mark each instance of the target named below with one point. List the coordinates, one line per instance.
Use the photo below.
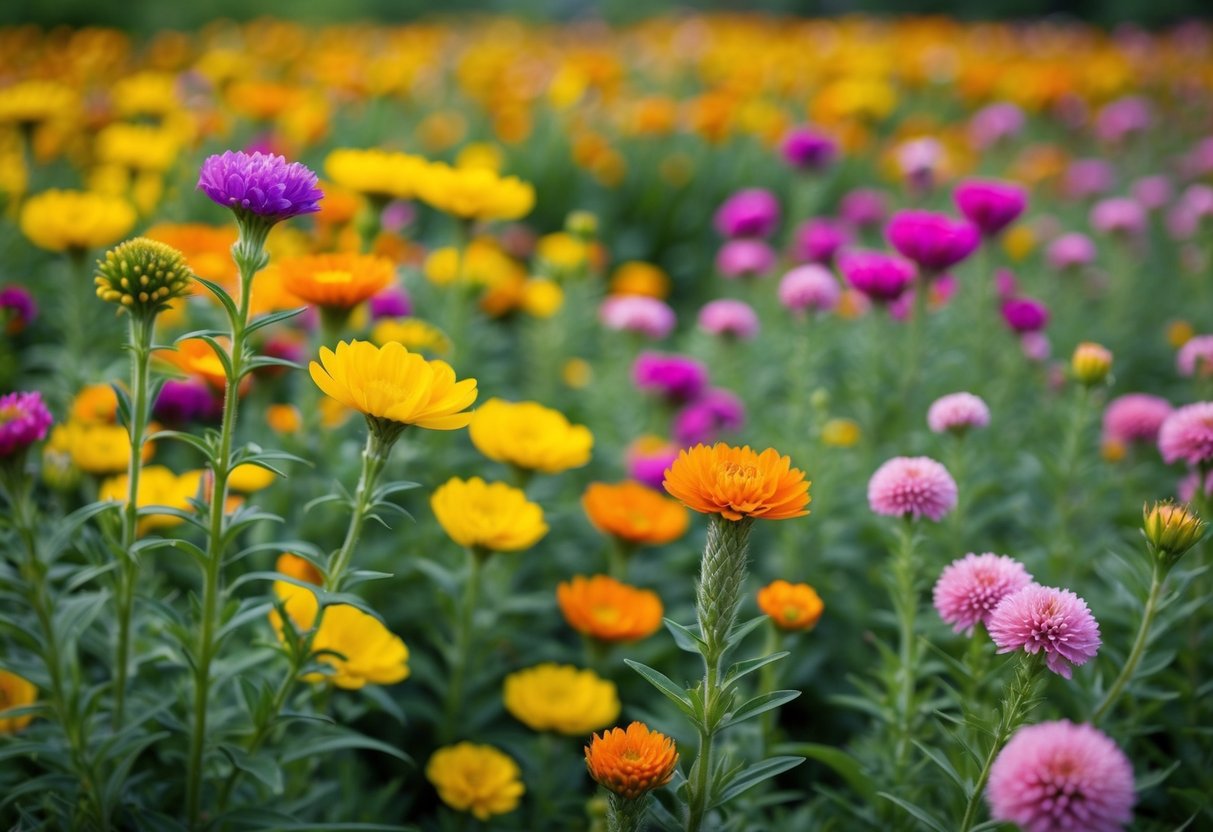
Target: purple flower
(808, 149)
(1035, 346)
(24, 420)
(990, 204)
(637, 313)
(1056, 621)
(184, 401)
(647, 459)
(1122, 118)
(1071, 251)
(880, 276)
(809, 288)
(912, 487)
(934, 241)
(701, 421)
(863, 208)
(753, 212)
(728, 317)
(1086, 178)
(818, 240)
(262, 185)
(677, 378)
(744, 257)
(1025, 315)
(392, 302)
(1120, 215)
(1152, 192)
(995, 123)
(18, 306)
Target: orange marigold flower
(298, 568)
(633, 762)
(791, 606)
(340, 281)
(632, 512)
(738, 482)
(608, 610)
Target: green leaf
(842, 763)
(67, 528)
(201, 443)
(946, 766)
(224, 298)
(686, 638)
(664, 684)
(261, 767)
(759, 705)
(740, 631)
(317, 745)
(220, 353)
(742, 669)
(921, 814)
(753, 775)
(272, 318)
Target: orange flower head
(632, 512)
(738, 482)
(631, 763)
(791, 606)
(608, 610)
(299, 568)
(340, 281)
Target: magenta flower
(1025, 315)
(184, 401)
(934, 241)
(17, 308)
(957, 413)
(810, 288)
(1122, 118)
(728, 317)
(1035, 346)
(24, 420)
(1196, 356)
(392, 302)
(1061, 777)
(969, 589)
(676, 378)
(818, 240)
(702, 421)
(863, 208)
(260, 185)
(753, 212)
(995, 123)
(1135, 417)
(880, 276)
(1056, 621)
(1187, 435)
(1121, 216)
(806, 148)
(912, 487)
(918, 160)
(745, 257)
(636, 313)
(1187, 486)
(647, 460)
(990, 204)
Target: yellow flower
(530, 436)
(562, 252)
(475, 193)
(476, 778)
(1171, 529)
(577, 373)
(637, 278)
(158, 486)
(1179, 333)
(383, 174)
(413, 333)
(75, 220)
(1091, 363)
(541, 298)
(480, 155)
(358, 648)
(15, 692)
(486, 265)
(248, 478)
(145, 276)
(1019, 241)
(492, 516)
(95, 404)
(561, 698)
(840, 433)
(146, 94)
(337, 281)
(791, 606)
(29, 103)
(297, 567)
(97, 448)
(137, 147)
(391, 383)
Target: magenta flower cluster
(24, 420)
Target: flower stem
(464, 630)
(625, 815)
(1157, 579)
(766, 682)
(374, 457)
(905, 605)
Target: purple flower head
(397, 216)
(969, 589)
(675, 377)
(1187, 435)
(1086, 178)
(1196, 357)
(995, 123)
(1040, 618)
(1135, 417)
(957, 413)
(261, 185)
(863, 208)
(24, 420)
(18, 306)
(881, 276)
(990, 204)
(1121, 216)
(810, 288)
(1122, 118)
(647, 459)
(753, 212)
(1025, 315)
(392, 302)
(918, 160)
(1061, 777)
(1071, 251)
(1152, 192)
(636, 313)
(744, 257)
(703, 420)
(184, 401)
(934, 241)
(912, 487)
(730, 318)
(806, 148)
(818, 240)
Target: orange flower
(634, 513)
(603, 608)
(195, 357)
(633, 762)
(300, 568)
(791, 606)
(738, 482)
(340, 281)
(95, 404)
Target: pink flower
(1135, 417)
(24, 420)
(818, 240)
(1196, 356)
(957, 413)
(1187, 434)
(647, 459)
(994, 123)
(935, 242)
(1035, 346)
(912, 487)
(752, 212)
(1056, 621)
(732, 318)
(1025, 314)
(1122, 118)
(1086, 178)
(744, 257)
(1119, 215)
(1061, 777)
(880, 276)
(810, 288)
(1071, 251)
(807, 148)
(863, 208)
(1153, 192)
(990, 204)
(1185, 489)
(636, 313)
(969, 589)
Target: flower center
(740, 471)
(333, 277)
(10, 413)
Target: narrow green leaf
(753, 775)
(740, 631)
(686, 638)
(319, 745)
(921, 814)
(663, 683)
(842, 763)
(759, 705)
(742, 669)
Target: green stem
(464, 630)
(374, 457)
(1157, 579)
(1068, 471)
(766, 682)
(702, 770)
(619, 555)
(625, 815)
(905, 605)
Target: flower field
(712, 423)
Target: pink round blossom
(934, 241)
(1196, 356)
(969, 589)
(957, 413)
(863, 208)
(1056, 621)
(1122, 118)
(1035, 346)
(1185, 489)
(809, 288)
(24, 420)
(1153, 192)
(753, 212)
(637, 313)
(647, 459)
(1187, 434)
(995, 123)
(1061, 777)
(1119, 215)
(879, 275)
(807, 148)
(819, 240)
(745, 257)
(1085, 178)
(1135, 417)
(912, 487)
(1071, 251)
(733, 318)
(990, 204)
(1024, 314)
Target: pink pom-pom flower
(969, 589)
(1187, 435)
(1042, 618)
(912, 487)
(957, 413)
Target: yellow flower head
(138, 147)
(541, 298)
(631, 763)
(337, 281)
(15, 692)
(476, 778)
(413, 333)
(561, 698)
(146, 94)
(562, 252)
(738, 482)
(1091, 363)
(484, 264)
(97, 448)
(530, 436)
(637, 278)
(158, 486)
(145, 276)
(791, 606)
(480, 155)
(248, 478)
(297, 567)
(609, 610)
(384, 174)
(492, 516)
(393, 384)
(475, 193)
(840, 433)
(75, 220)
(30, 103)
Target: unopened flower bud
(582, 224)
(142, 275)
(1091, 363)
(1171, 529)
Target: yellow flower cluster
(491, 516)
(158, 486)
(75, 221)
(561, 698)
(529, 436)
